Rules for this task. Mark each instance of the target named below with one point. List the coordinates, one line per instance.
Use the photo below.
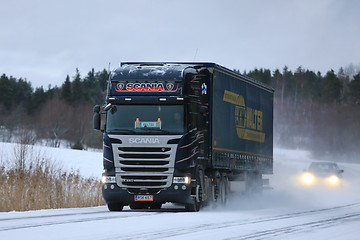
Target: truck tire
(212, 194)
(217, 185)
(224, 190)
(115, 207)
(195, 205)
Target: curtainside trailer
(187, 133)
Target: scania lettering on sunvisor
(145, 87)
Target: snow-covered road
(286, 212)
(336, 222)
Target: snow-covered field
(287, 212)
(88, 163)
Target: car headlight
(308, 178)
(334, 179)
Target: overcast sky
(44, 40)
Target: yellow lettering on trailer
(248, 121)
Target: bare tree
(54, 121)
(81, 123)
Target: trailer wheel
(118, 207)
(217, 186)
(212, 193)
(224, 190)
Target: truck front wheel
(115, 207)
(194, 206)
(197, 192)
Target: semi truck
(186, 133)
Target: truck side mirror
(96, 121)
(96, 109)
(96, 118)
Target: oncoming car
(327, 173)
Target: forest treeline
(55, 115)
(311, 111)
(315, 112)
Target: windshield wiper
(155, 129)
(122, 130)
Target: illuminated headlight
(334, 179)
(185, 180)
(308, 178)
(108, 179)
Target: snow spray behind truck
(186, 133)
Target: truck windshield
(145, 119)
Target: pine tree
(332, 86)
(6, 91)
(76, 87)
(289, 88)
(66, 90)
(37, 98)
(90, 80)
(102, 77)
(345, 80)
(354, 88)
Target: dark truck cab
(182, 133)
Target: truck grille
(150, 163)
(149, 166)
(142, 149)
(146, 156)
(143, 169)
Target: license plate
(144, 198)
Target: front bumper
(176, 193)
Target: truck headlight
(108, 179)
(308, 178)
(184, 180)
(334, 179)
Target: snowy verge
(87, 163)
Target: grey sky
(44, 40)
